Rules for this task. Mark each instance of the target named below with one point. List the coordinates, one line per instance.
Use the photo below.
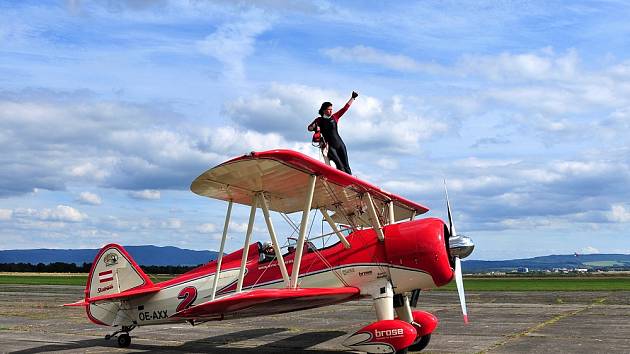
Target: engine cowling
(422, 245)
(386, 336)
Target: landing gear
(421, 344)
(424, 322)
(124, 339)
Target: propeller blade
(451, 225)
(460, 287)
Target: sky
(109, 110)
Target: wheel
(124, 340)
(402, 351)
(421, 344)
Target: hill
(173, 256)
(143, 255)
(588, 261)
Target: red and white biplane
(383, 253)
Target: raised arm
(343, 110)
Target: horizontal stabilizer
(117, 296)
(268, 301)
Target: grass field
(57, 279)
(603, 283)
(544, 284)
(604, 264)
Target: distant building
(522, 270)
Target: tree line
(61, 267)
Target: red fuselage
(413, 246)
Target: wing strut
(300, 242)
(217, 273)
(376, 224)
(333, 226)
(390, 208)
(248, 236)
(274, 240)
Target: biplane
(382, 252)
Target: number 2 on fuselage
(188, 295)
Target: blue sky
(109, 110)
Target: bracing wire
(290, 222)
(333, 196)
(322, 258)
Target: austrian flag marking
(106, 276)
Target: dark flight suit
(336, 148)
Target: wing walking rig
(384, 253)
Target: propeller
(459, 246)
(460, 287)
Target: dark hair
(325, 105)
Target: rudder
(114, 271)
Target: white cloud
(387, 163)
(6, 214)
(233, 141)
(529, 223)
(478, 182)
(286, 110)
(147, 194)
(582, 167)
(89, 169)
(86, 146)
(115, 145)
(619, 213)
(589, 250)
(540, 175)
(369, 55)
(172, 223)
(238, 227)
(61, 213)
(410, 187)
(206, 228)
(540, 98)
(476, 162)
(234, 41)
(541, 65)
(281, 108)
(89, 198)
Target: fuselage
(413, 255)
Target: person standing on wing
(326, 124)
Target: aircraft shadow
(214, 344)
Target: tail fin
(114, 271)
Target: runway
(32, 321)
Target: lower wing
(268, 301)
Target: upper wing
(283, 176)
(268, 301)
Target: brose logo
(395, 332)
(109, 287)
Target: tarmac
(32, 321)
